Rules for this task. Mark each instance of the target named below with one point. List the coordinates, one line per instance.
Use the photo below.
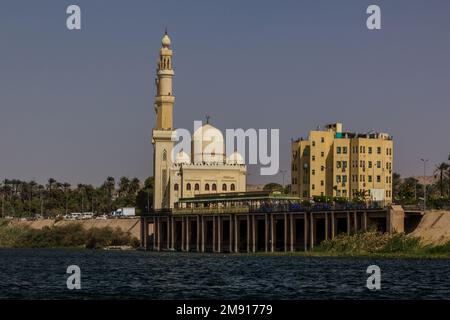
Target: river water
(41, 274)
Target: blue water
(41, 274)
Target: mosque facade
(206, 169)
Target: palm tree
(124, 185)
(441, 169)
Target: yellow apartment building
(331, 162)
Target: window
(305, 194)
(379, 150)
(378, 178)
(338, 164)
(344, 178)
(207, 187)
(369, 164)
(370, 150)
(378, 164)
(232, 187)
(344, 150)
(338, 150)
(313, 158)
(313, 143)
(214, 187)
(338, 179)
(322, 168)
(313, 172)
(344, 164)
(224, 187)
(175, 187)
(322, 139)
(164, 155)
(321, 182)
(188, 187)
(197, 187)
(313, 186)
(370, 178)
(322, 154)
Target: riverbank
(73, 235)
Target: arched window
(197, 187)
(188, 187)
(214, 187)
(207, 187)
(224, 187)
(232, 187)
(175, 187)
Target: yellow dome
(208, 145)
(165, 41)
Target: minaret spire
(164, 99)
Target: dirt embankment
(127, 225)
(434, 227)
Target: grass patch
(68, 236)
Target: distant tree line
(26, 198)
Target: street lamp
(424, 184)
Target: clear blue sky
(78, 106)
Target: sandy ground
(434, 227)
(127, 225)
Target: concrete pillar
(333, 227)
(254, 225)
(168, 233)
(326, 225)
(144, 232)
(248, 233)
(286, 233)
(198, 233)
(305, 230)
(266, 231)
(395, 219)
(236, 238)
(219, 234)
(172, 224)
(188, 234)
(214, 233)
(203, 234)
(355, 220)
(158, 240)
(231, 233)
(183, 234)
(155, 231)
(365, 221)
(311, 230)
(272, 232)
(348, 223)
(291, 232)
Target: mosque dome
(235, 158)
(182, 158)
(208, 145)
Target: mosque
(207, 169)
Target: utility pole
(424, 184)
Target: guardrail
(263, 209)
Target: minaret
(164, 99)
(162, 133)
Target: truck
(124, 212)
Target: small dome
(208, 145)
(182, 158)
(235, 158)
(165, 41)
